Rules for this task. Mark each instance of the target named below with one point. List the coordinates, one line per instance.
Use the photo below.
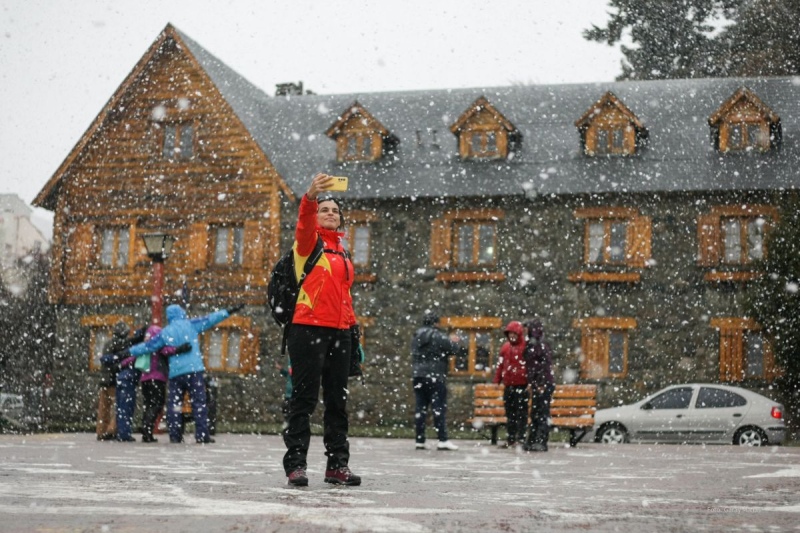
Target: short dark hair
(337, 201)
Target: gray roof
(679, 156)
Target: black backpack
(283, 287)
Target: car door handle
(737, 415)
(678, 416)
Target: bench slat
(571, 411)
(573, 422)
(490, 411)
(560, 402)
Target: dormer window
(484, 133)
(178, 141)
(610, 128)
(359, 136)
(744, 123)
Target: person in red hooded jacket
(319, 339)
(512, 373)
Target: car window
(672, 399)
(709, 398)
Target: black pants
(320, 356)
(154, 395)
(515, 398)
(540, 415)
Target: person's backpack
(283, 287)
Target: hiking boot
(536, 447)
(147, 439)
(446, 445)
(298, 478)
(342, 476)
(420, 446)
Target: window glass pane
(618, 234)
(187, 141)
(596, 237)
(755, 355)
(238, 245)
(360, 250)
(221, 246)
(462, 357)
(755, 239)
(465, 234)
(477, 143)
(483, 350)
(602, 141)
(491, 143)
(169, 141)
(735, 136)
(732, 240)
(617, 139)
(107, 247)
(366, 147)
(672, 399)
(101, 338)
(351, 146)
(214, 350)
(616, 352)
(234, 350)
(122, 247)
(709, 398)
(486, 238)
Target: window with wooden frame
(484, 133)
(114, 246)
(604, 346)
(359, 136)
(464, 245)
(478, 337)
(232, 346)
(609, 127)
(744, 123)
(358, 242)
(177, 141)
(615, 240)
(744, 351)
(731, 238)
(227, 245)
(101, 329)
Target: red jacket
(324, 298)
(511, 368)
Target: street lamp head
(159, 245)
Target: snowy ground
(71, 482)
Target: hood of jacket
(175, 312)
(515, 327)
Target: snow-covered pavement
(71, 482)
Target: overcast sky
(60, 61)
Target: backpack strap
(310, 262)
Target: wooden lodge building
(626, 215)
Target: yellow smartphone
(339, 184)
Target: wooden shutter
(708, 240)
(441, 236)
(731, 358)
(594, 343)
(639, 237)
(249, 350)
(771, 368)
(80, 250)
(198, 246)
(255, 237)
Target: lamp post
(159, 246)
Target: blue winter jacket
(181, 330)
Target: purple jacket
(159, 361)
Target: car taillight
(777, 412)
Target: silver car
(11, 406)
(694, 412)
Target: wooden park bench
(572, 409)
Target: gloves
(109, 360)
(183, 348)
(235, 309)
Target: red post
(157, 298)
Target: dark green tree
(671, 38)
(774, 302)
(28, 322)
(764, 40)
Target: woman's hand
(319, 183)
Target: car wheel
(750, 436)
(612, 434)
